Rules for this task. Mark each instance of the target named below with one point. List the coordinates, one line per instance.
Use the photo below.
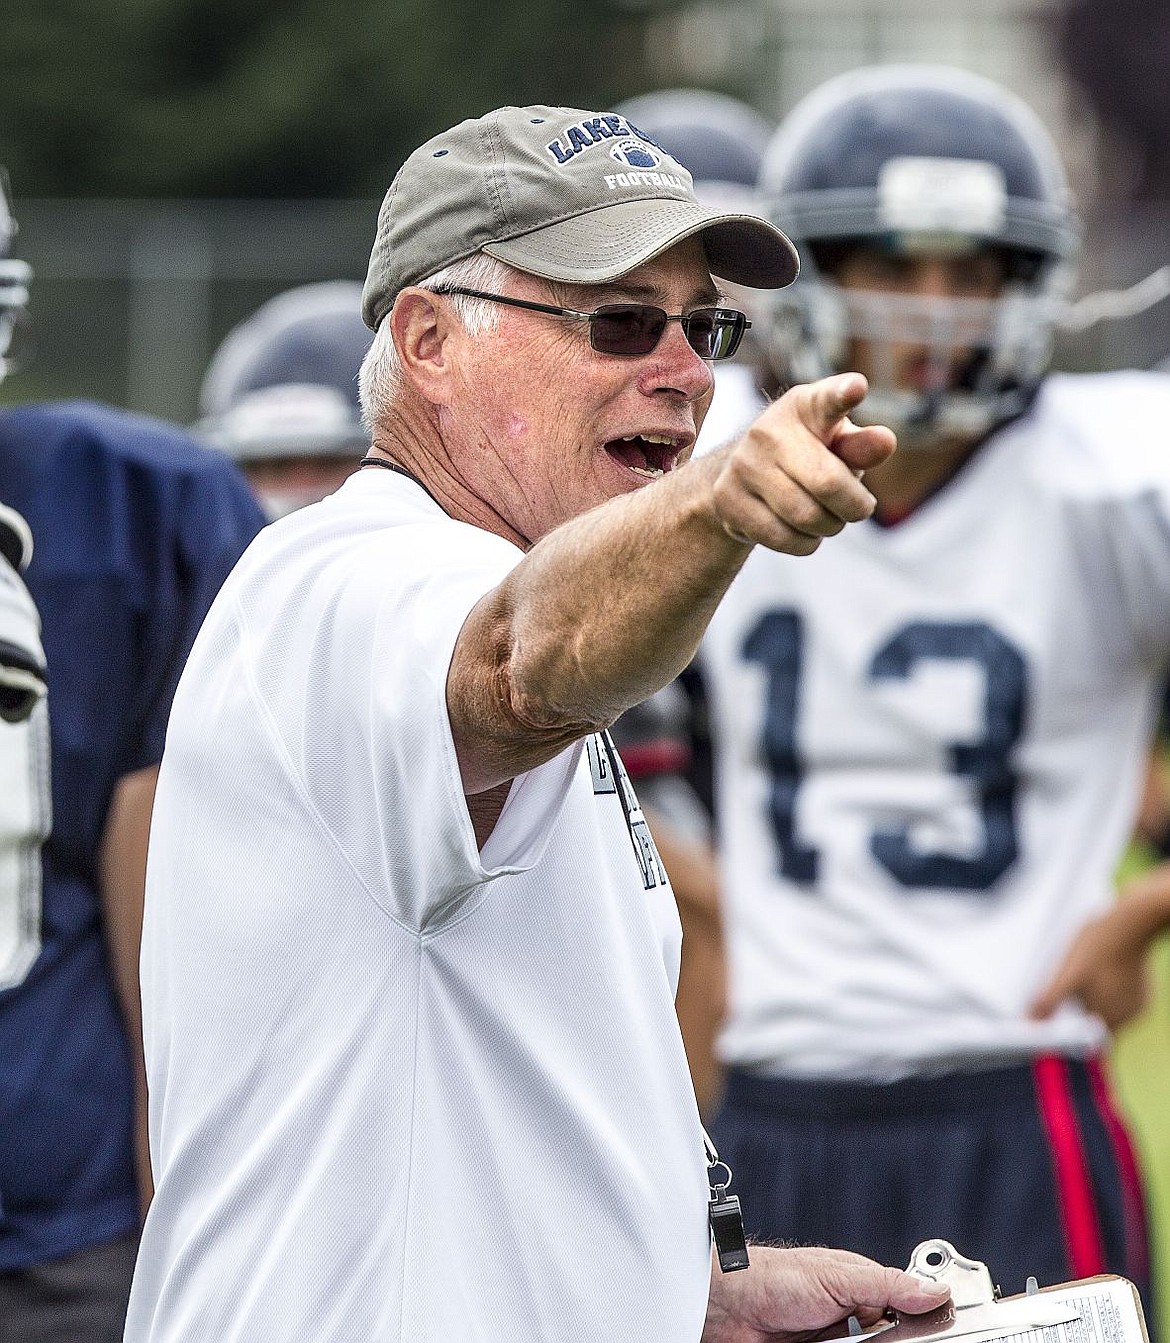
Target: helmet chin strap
(925, 426)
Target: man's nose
(674, 366)
(933, 279)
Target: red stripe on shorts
(645, 759)
(1074, 1191)
(1137, 1250)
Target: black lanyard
(401, 470)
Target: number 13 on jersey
(777, 643)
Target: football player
(930, 738)
(135, 527)
(280, 394)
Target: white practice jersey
(25, 804)
(930, 739)
(736, 403)
(400, 1089)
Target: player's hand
(1104, 970)
(795, 475)
(788, 1296)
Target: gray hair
(381, 371)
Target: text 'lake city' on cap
(560, 193)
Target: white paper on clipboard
(1104, 1309)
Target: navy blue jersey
(134, 528)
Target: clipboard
(1101, 1309)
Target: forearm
(1105, 966)
(607, 608)
(612, 605)
(600, 614)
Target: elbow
(549, 692)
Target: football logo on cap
(635, 154)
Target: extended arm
(610, 606)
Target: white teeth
(650, 438)
(650, 472)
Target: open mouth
(646, 455)
(931, 374)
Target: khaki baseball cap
(560, 193)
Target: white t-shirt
(929, 744)
(400, 1089)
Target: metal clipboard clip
(975, 1313)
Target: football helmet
(15, 276)
(921, 159)
(719, 140)
(284, 382)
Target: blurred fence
(130, 298)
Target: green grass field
(1141, 1074)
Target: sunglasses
(636, 328)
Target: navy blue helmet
(284, 382)
(913, 159)
(719, 140)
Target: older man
(409, 951)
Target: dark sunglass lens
(626, 328)
(702, 331)
(727, 328)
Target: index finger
(823, 405)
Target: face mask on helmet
(917, 163)
(15, 277)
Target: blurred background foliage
(129, 127)
(281, 98)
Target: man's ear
(421, 324)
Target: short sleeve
(352, 671)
